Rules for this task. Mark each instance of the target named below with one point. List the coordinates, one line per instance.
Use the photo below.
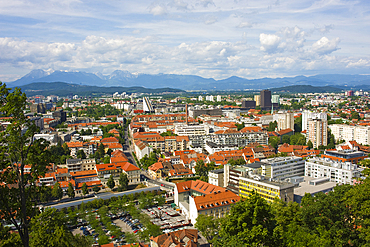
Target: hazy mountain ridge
(67, 89)
(191, 82)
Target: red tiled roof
(215, 200)
(198, 185)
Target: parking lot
(166, 217)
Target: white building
(216, 177)
(147, 105)
(219, 98)
(210, 98)
(142, 149)
(284, 120)
(200, 98)
(283, 167)
(317, 132)
(360, 134)
(307, 116)
(189, 130)
(275, 98)
(217, 204)
(341, 173)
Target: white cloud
(158, 10)
(269, 42)
(325, 46)
(179, 4)
(206, 3)
(245, 24)
(210, 20)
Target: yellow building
(266, 188)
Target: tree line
(337, 218)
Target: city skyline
(208, 38)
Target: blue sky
(209, 38)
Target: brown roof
(215, 199)
(199, 186)
(182, 238)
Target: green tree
(240, 126)
(237, 162)
(310, 144)
(200, 168)
(81, 154)
(71, 191)
(106, 159)
(8, 239)
(18, 149)
(286, 139)
(96, 189)
(123, 181)
(111, 183)
(100, 152)
(357, 201)
(84, 189)
(272, 126)
(57, 191)
(297, 139)
(208, 226)
(45, 193)
(168, 133)
(49, 229)
(147, 161)
(250, 223)
(274, 141)
(298, 124)
(355, 115)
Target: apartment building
(360, 134)
(317, 132)
(241, 139)
(283, 167)
(189, 130)
(307, 116)
(216, 177)
(339, 172)
(74, 165)
(142, 149)
(284, 120)
(165, 144)
(87, 147)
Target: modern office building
(283, 167)
(266, 99)
(352, 156)
(275, 99)
(339, 172)
(268, 189)
(249, 104)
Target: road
(103, 196)
(127, 149)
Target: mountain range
(120, 78)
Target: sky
(208, 38)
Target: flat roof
(304, 187)
(218, 171)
